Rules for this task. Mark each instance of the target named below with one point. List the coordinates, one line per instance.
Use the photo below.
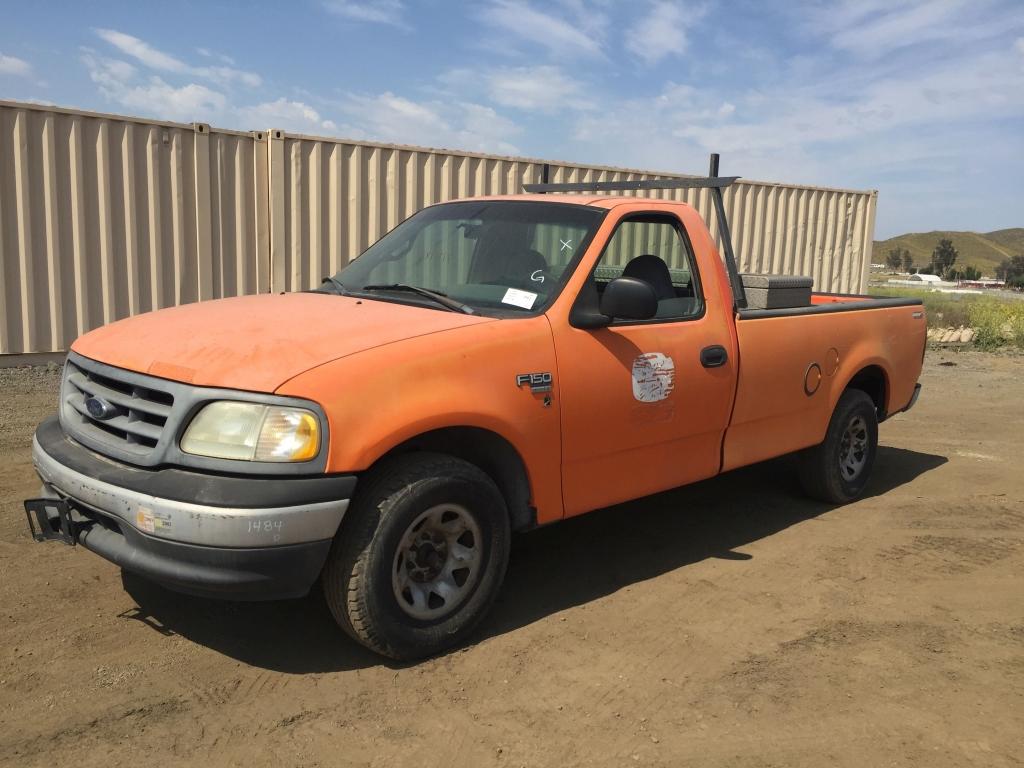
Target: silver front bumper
(189, 523)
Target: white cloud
(142, 51)
(834, 105)
(561, 37)
(393, 115)
(484, 129)
(860, 93)
(911, 131)
(589, 16)
(164, 62)
(541, 88)
(119, 82)
(108, 74)
(874, 29)
(214, 55)
(153, 97)
(12, 65)
(184, 103)
(372, 11)
(457, 125)
(661, 31)
(283, 113)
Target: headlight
(253, 432)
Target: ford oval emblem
(99, 408)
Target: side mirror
(629, 298)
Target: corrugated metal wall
(102, 217)
(335, 198)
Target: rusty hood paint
(257, 343)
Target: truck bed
(831, 302)
(774, 413)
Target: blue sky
(923, 101)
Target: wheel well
(871, 380)
(491, 453)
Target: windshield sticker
(518, 298)
(654, 376)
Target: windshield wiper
(338, 285)
(437, 296)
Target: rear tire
(837, 470)
(420, 556)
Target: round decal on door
(654, 376)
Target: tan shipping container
(103, 217)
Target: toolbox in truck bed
(777, 291)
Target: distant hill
(981, 250)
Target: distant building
(983, 283)
(932, 281)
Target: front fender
(465, 377)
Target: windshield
(498, 256)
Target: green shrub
(998, 322)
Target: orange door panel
(640, 413)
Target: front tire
(420, 557)
(837, 470)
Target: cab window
(655, 249)
(505, 256)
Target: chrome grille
(147, 414)
(140, 408)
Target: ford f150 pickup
(488, 366)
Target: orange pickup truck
(488, 366)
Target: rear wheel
(420, 556)
(838, 469)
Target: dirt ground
(730, 623)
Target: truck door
(645, 404)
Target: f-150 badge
(539, 382)
(654, 376)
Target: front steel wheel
(437, 564)
(419, 557)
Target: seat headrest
(653, 270)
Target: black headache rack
(712, 181)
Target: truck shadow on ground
(552, 569)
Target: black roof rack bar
(712, 181)
(739, 295)
(697, 182)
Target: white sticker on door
(518, 298)
(654, 376)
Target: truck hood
(258, 343)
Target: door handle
(714, 356)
